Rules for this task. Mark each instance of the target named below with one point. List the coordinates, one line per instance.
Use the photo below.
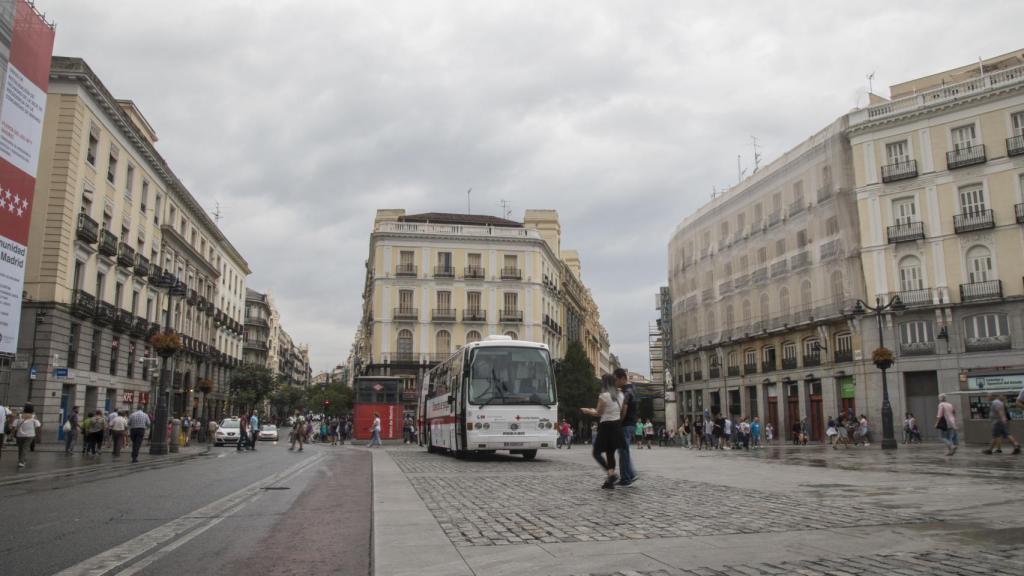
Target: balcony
(906, 232)
(981, 290)
(1018, 211)
(921, 297)
(828, 250)
(210, 310)
(714, 372)
(193, 297)
(812, 360)
(125, 255)
(800, 260)
(256, 344)
(83, 304)
(750, 368)
(443, 314)
(105, 313)
(740, 282)
(141, 266)
(88, 229)
(140, 326)
(698, 375)
(406, 314)
(796, 207)
(768, 366)
(774, 218)
(444, 272)
(733, 371)
(153, 328)
(971, 221)
(256, 321)
(707, 295)
(899, 171)
(824, 193)
(967, 156)
(843, 356)
(405, 270)
(725, 287)
(156, 274)
(474, 272)
(1015, 145)
(759, 276)
(108, 243)
(917, 349)
(511, 274)
(1001, 342)
(511, 315)
(474, 316)
(780, 268)
(123, 321)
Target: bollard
(175, 440)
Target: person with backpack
(631, 407)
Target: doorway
(815, 409)
(792, 409)
(922, 389)
(847, 392)
(772, 413)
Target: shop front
(977, 426)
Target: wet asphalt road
(271, 511)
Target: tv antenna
(757, 154)
(739, 170)
(506, 209)
(468, 205)
(871, 78)
(217, 214)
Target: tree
(334, 399)
(251, 385)
(287, 399)
(577, 387)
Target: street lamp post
(894, 305)
(158, 438)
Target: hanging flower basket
(205, 385)
(165, 343)
(883, 358)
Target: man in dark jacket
(630, 405)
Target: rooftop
(469, 219)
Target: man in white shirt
(4, 413)
(118, 427)
(25, 432)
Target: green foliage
(250, 385)
(577, 387)
(287, 399)
(333, 399)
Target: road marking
(210, 514)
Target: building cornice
(171, 236)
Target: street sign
(60, 372)
(32, 373)
(378, 387)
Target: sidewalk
(49, 461)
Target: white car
(228, 432)
(268, 432)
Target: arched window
(746, 313)
(765, 306)
(730, 317)
(979, 264)
(805, 296)
(838, 290)
(910, 274)
(472, 336)
(443, 342)
(512, 335)
(784, 301)
(405, 344)
(709, 322)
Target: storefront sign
(127, 397)
(847, 387)
(999, 382)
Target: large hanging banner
(21, 129)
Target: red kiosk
(381, 395)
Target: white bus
(498, 394)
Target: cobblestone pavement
(504, 501)
(1000, 561)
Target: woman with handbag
(945, 422)
(609, 429)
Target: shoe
(986, 451)
(999, 450)
(1016, 449)
(608, 485)
(21, 464)
(953, 450)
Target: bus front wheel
(529, 454)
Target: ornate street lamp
(158, 438)
(882, 358)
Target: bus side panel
(441, 422)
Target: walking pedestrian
(727, 432)
(298, 432)
(72, 425)
(563, 435)
(186, 429)
(375, 431)
(211, 430)
(138, 422)
(97, 429)
(254, 430)
(684, 433)
(745, 434)
(769, 433)
(755, 432)
(945, 422)
(648, 433)
(710, 442)
(609, 411)
(25, 429)
(631, 405)
(1000, 426)
(4, 414)
(118, 426)
(831, 432)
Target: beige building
(111, 228)
(939, 179)
(760, 278)
(436, 281)
(268, 344)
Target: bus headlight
(541, 425)
(514, 426)
(487, 425)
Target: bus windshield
(510, 375)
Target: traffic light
(327, 402)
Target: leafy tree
(577, 387)
(334, 399)
(287, 399)
(251, 385)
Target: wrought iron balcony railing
(899, 171)
(966, 156)
(971, 221)
(811, 360)
(920, 297)
(108, 243)
(905, 232)
(141, 266)
(444, 272)
(405, 270)
(511, 315)
(768, 366)
(123, 321)
(733, 371)
(714, 372)
(698, 375)
(83, 304)
(981, 290)
(88, 229)
(750, 368)
(1015, 145)
(125, 255)
(474, 315)
(843, 356)
(475, 272)
(406, 313)
(789, 363)
(140, 326)
(105, 313)
(443, 314)
(511, 274)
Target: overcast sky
(302, 118)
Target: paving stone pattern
(518, 506)
(421, 462)
(999, 561)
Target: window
(94, 142)
(511, 300)
(741, 222)
(444, 261)
(750, 358)
(897, 152)
(405, 344)
(963, 137)
(444, 300)
(777, 202)
(709, 320)
(979, 264)
(135, 302)
(511, 334)
(145, 365)
(811, 347)
(758, 213)
(910, 274)
(904, 211)
(472, 336)
(1017, 119)
(986, 326)
(730, 317)
(101, 280)
(77, 279)
(838, 290)
(801, 238)
(789, 351)
(844, 343)
(798, 193)
(784, 301)
(765, 304)
(129, 182)
(112, 165)
(723, 231)
(473, 301)
(443, 342)
(780, 247)
(832, 225)
(130, 366)
(511, 261)
(744, 264)
(768, 356)
(145, 196)
(405, 299)
(73, 336)
(746, 312)
(156, 211)
(762, 255)
(733, 359)
(94, 351)
(918, 332)
(805, 296)
(115, 345)
(972, 199)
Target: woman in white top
(609, 430)
(25, 432)
(945, 421)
